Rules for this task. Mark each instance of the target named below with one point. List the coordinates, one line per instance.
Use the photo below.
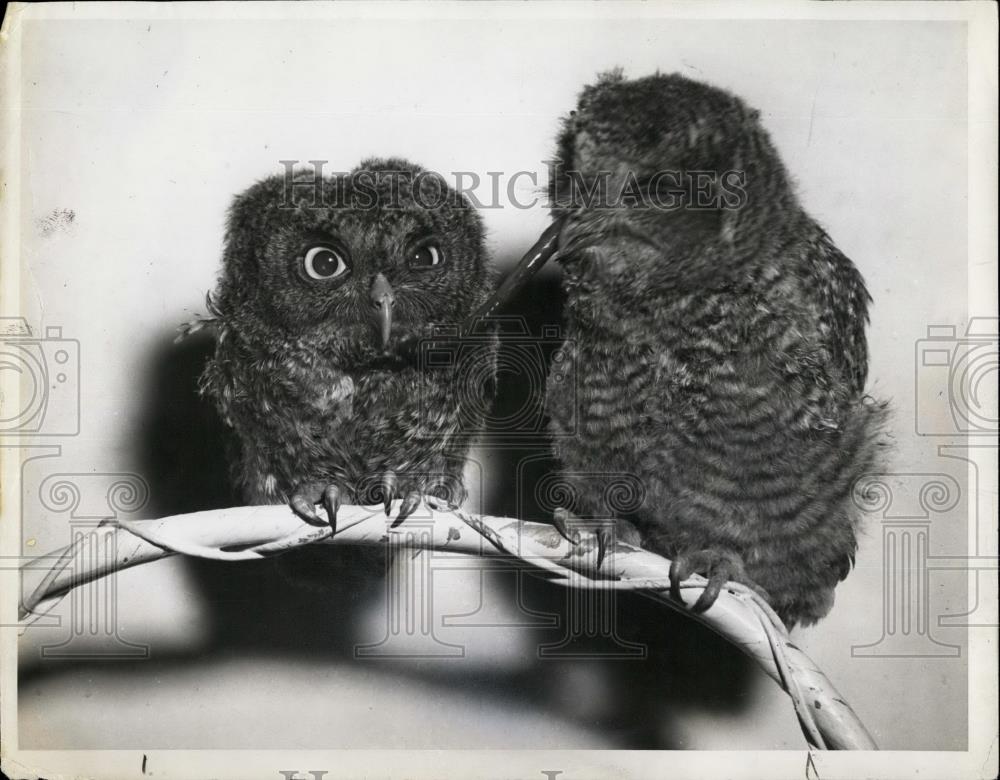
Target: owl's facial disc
(382, 299)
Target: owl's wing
(217, 380)
(841, 300)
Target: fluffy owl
(716, 340)
(329, 286)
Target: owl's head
(359, 262)
(680, 164)
(660, 122)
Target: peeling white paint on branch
(253, 532)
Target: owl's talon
(711, 592)
(407, 508)
(718, 566)
(331, 503)
(305, 509)
(560, 519)
(678, 573)
(389, 483)
(603, 535)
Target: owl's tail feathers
(870, 439)
(866, 441)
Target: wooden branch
(251, 533)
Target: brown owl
(329, 286)
(716, 336)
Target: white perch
(253, 532)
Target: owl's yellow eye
(426, 256)
(323, 263)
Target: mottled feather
(718, 354)
(298, 373)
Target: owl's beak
(382, 299)
(544, 248)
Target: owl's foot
(303, 503)
(604, 539)
(306, 496)
(718, 566)
(408, 507)
(390, 490)
(562, 518)
(413, 492)
(389, 486)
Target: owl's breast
(325, 390)
(334, 395)
(608, 391)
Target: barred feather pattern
(723, 366)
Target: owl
(715, 338)
(329, 287)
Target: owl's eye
(324, 263)
(426, 256)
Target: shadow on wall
(254, 610)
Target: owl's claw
(413, 488)
(603, 535)
(717, 566)
(389, 483)
(304, 499)
(305, 509)
(331, 503)
(407, 508)
(560, 519)
(678, 573)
